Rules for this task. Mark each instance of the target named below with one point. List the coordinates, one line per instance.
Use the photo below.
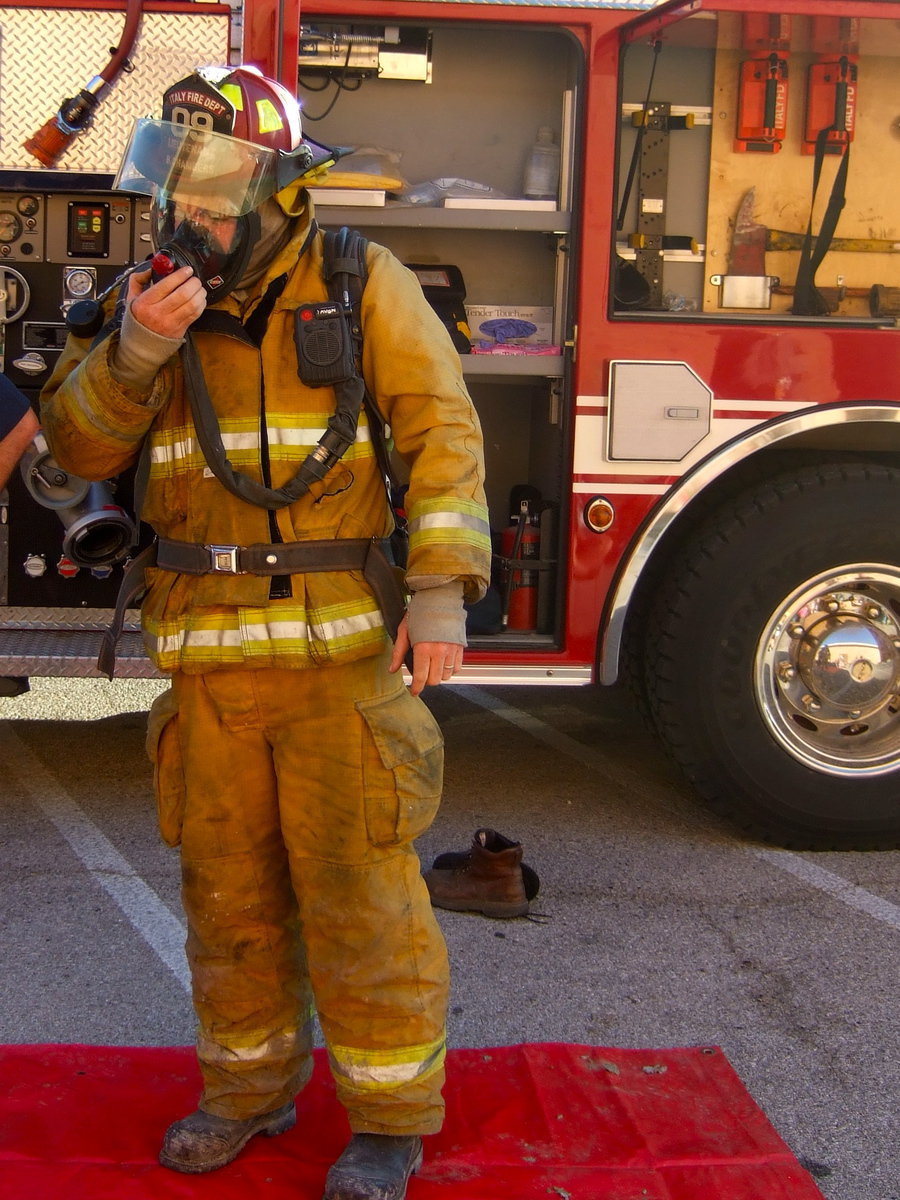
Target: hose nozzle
(54, 137)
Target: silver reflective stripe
(372, 1070)
(449, 520)
(188, 447)
(197, 637)
(303, 437)
(255, 1048)
(300, 436)
(268, 632)
(272, 631)
(346, 626)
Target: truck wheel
(773, 658)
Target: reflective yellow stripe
(257, 1045)
(285, 631)
(386, 1070)
(289, 437)
(444, 520)
(267, 117)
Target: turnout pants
(295, 797)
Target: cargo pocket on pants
(164, 751)
(402, 781)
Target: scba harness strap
(328, 338)
(333, 360)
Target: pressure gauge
(10, 226)
(79, 283)
(28, 205)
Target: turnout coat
(269, 422)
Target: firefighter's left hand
(433, 662)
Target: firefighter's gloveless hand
(171, 305)
(433, 662)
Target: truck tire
(772, 658)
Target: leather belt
(274, 558)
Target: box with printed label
(511, 324)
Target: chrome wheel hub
(827, 671)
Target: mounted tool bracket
(650, 239)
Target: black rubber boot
(203, 1142)
(375, 1166)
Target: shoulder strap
(346, 273)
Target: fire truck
(665, 238)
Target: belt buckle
(223, 560)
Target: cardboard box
(539, 315)
(361, 197)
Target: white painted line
(160, 929)
(785, 860)
(835, 885)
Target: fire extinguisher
(519, 542)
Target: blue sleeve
(13, 406)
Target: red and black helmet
(225, 130)
(242, 103)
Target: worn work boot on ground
(375, 1166)
(490, 878)
(202, 1142)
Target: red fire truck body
(683, 352)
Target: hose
(75, 113)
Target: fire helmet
(227, 140)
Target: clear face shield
(213, 171)
(205, 188)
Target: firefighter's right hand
(171, 305)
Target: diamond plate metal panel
(47, 55)
(65, 642)
(20, 617)
(70, 653)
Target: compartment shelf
(512, 367)
(410, 217)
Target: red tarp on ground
(525, 1122)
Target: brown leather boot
(458, 858)
(374, 1166)
(487, 879)
(203, 1142)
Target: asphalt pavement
(656, 925)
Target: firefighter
(292, 765)
(18, 425)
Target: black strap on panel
(808, 301)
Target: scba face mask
(216, 246)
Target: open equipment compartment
(471, 122)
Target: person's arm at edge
(16, 442)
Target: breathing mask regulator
(217, 249)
